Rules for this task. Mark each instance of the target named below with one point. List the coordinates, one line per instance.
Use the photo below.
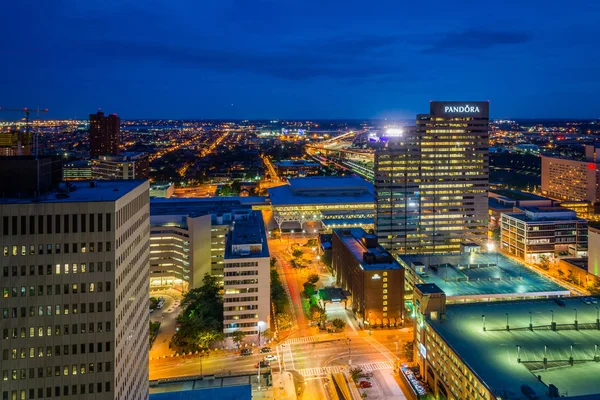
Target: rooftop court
(481, 276)
(506, 359)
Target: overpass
(339, 152)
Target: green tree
(268, 334)
(309, 289)
(338, 324)
(297, 253)
(313, 278)
(153, 303)
(201, 321)
(355, 373)
(594, 285)
(278, 295)
(273, 262)
(238, 337)
(326, 259)
(317, 313)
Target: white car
(271, 357)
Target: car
(586, 300)
(365, 384)
(271, 357)
(263, 364)
(593, 300)
(246, 352)
(560, 302)
(266, 350)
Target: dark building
(26, 176)
(105, 134)
(370, 273)
(16, 143)
(431, 181)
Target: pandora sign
(461, 109)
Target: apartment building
(247, 276)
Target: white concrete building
(247, 276)
(75, 293)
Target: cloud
(293, 62)
(474, 39)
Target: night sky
(299, 59)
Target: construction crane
(27, 112)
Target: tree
(312, 242)
(355, 373)
(153, 303)
(273, 262)
(278, 295)
(276, 233)
(544, 262)
(338, 324)
(594, 285)
(268, 333)
(561, 273)
(284, 320)
(313, 278)
(317, 313)
(297, 253)
(309, 289)
(201, 321)
(238, 337)
(408, 350)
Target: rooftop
(82, 191)
(353, 240)
(480, 275)
(323, 190)
(201, 206)
(297, 163)
(530, 214)
(517, 194)
(247, 237)
(492, 354)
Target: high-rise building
(431, 181)
(124, 166)
(105, 134)
(16, 143)
(574, 180)
(74, 265)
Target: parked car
(365, 384)
(560, 302)
(265, 350)
(246, 352)
(271, 357)
(586, 300)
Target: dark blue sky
(299, 59)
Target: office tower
(74, 284)
(105, 134)
(574, 180)
(16, 143)
(127, 165)
(431, 181)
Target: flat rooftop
(353, 241)
(492, 354)
(297, 163)
(323, 190)
(201, 206)
(82, 191)
(247, 238)
(517, 194)
(481, 275)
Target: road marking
(278, 358)
(377, 366)
(305, 339)
(381, 348)
(291, 356)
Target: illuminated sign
(376, 276)
(462, 109)
(422, 350)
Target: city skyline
(236, 61)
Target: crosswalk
(376, 366)
(300, 340)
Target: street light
(483, 318)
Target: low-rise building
(164, 190)
(475, 277)
(504, 200)
(370, 273)
(297, 168)
(77, 170)
(533, 349)
(330, 202)
(123, 166)
(533, 232)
